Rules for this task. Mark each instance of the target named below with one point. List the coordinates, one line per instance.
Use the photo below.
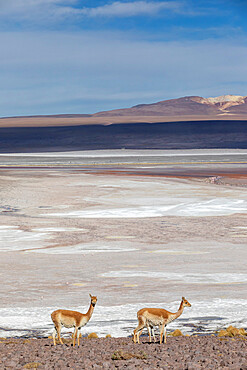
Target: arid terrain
(189, 353)
(134, 228)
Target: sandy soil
(46, 121)
(120, 353)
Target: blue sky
(83, 56)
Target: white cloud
(29, 9)
(129, 9)
(8, 6)
(33, 10)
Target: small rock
(12, 364)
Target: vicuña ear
(183, 299)
(90, 295)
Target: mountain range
(189, 105)
(188, 108)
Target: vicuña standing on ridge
(150, 317)
(70, 319)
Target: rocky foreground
(201, 352)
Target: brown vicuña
(150, 317)
(70, 319)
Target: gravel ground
(204, 352)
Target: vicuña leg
(140, 333)
(54, 336)
(78, 337)
(59, 334)
(75, 336)
(153, 334)
(161, 332)
(165, 333)
(58, 330)
(151, 330)
(149, 334)
(137, 330)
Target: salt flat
(133, 239)
(126, 156)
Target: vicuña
(150, 317)
(70, 319)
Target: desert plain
(135, 228)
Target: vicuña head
(150, 317)
(185, 303)
(70, 319)
(93, 300)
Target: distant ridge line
(188, 108)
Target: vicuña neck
(180, 310)
(90, 310)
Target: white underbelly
(154, 322)
(68, 325)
